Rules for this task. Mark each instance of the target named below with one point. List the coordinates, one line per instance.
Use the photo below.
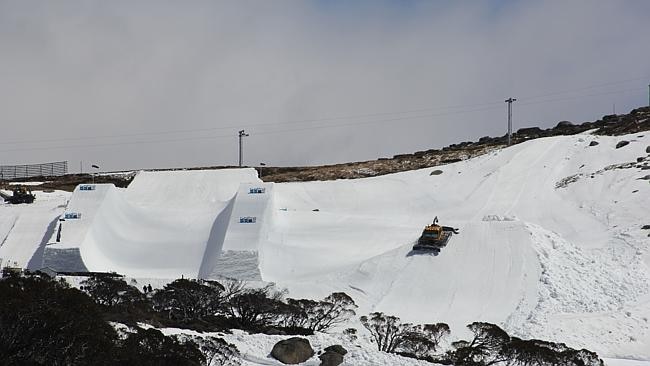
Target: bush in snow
(492, 345)
(486, 348)
(111, 291)
(386, 330)
(422, 340)
(392, 336)
(320, 316)
(146, 347)
(189, 300)
(216, 351)
(350, 334)
(45, 322)
(257, 308)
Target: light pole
(96, 167)
(242, 134)
(261, 166)
(509, 101)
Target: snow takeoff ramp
(165, 224)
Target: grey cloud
(76, 69)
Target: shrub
(45, 322)
(492, 345)
(257, 308)
(320, 316)
(386, 330)
(188, 300)
(111, 291)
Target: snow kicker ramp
(164, 225)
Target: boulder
(564, 124)
(647, 177)
(647, 149)
(436, 172)
(292, 351)
(342, 351)
(622, 143)
(452, 160)
(331, 358)
(593, 143)
(610, 118)
(529, 131)
(644, 227)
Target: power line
(584, 88)
(401, 118)
(405, 118)
(582, 96)
(257, 133)
(315, 120)
(14, 142)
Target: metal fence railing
(33, 170)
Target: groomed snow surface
(550, 242)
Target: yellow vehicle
(434, 237)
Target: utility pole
(96, 167)
(648, 95)
(509, 101)
(242, 134)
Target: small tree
(110, 291)
(320, 316)
(486, 348)
(350, 334)
(492, 345)
(150, 347)
(257, 308)
(386, 330)
(187, 300)
(216, 351)
(45, 322)
(424, 339)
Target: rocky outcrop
(292, 351)
(620, 144)
(342, 351)
(330, 359)
(333, 355)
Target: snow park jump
(528, 237)
(165, 225)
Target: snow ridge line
(13, 224)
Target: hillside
(553, 239)
(611, 125)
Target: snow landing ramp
(164, 225)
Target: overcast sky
(148, 84)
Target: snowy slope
(573, 259)
(25, 229)
(550, 242)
